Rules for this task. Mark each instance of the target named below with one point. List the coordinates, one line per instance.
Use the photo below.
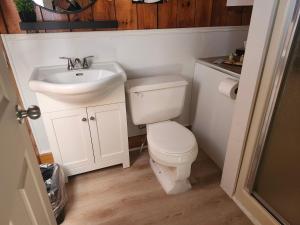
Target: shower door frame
(263, 111)
(279, 75)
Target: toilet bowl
(173, 149)
(154, 101)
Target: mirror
(64, 6)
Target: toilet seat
(171, 144)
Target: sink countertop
(229, 69)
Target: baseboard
(134, 142)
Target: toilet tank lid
(154, 83)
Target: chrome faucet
(75, 64)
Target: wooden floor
(133, 196)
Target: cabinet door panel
(109, 133)
(70, 139)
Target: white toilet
(172, 147)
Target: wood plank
(117, 196)
(186, 13)
(225, 16)
(104, 10)
(11, 16)
(3, 29)
(147, 16)
(126, 14)
(203, 13)
(234, 16)
(170, 14)
(246, 15)
(219, 13)
(167, 14)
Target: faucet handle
(85, 64)
(70, 62)
(91, 56)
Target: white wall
(141, 53)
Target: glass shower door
(276, 180)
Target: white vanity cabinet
(109, 134)
(89, 135)
(70, 140)
(88, 138)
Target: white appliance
(172, 147)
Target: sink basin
(58, 82)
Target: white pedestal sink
(77, 85)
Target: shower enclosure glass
(275, 182)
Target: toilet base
(166, 177)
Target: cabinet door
(70, 141)
(109, 134)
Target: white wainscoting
(239, 2)
(140, 52)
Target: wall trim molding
(41, 36)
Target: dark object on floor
(55, 184)
(240, 51)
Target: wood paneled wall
(170, 14)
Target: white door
(109, 134)
(70, 140)
(24, 200)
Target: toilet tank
(156, 99)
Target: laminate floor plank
(133, 196)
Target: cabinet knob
(83, 119)
(92, 118)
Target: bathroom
(145, 106)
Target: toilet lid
(170, 137)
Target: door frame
(284, 28)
